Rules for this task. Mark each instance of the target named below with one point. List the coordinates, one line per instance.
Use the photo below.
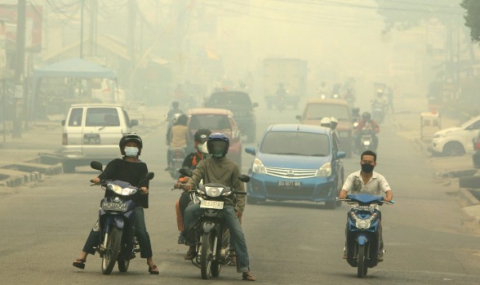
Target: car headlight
(258, 166)
(325, 170)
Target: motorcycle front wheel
(362, 267)
(112, 250)
(123, 264)
(206, 256)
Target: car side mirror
(298, 117)
(254, 105)
(96, 165)
(341, 154)
(133, 123)
(250, 150)
(244, 178)
(63, 122)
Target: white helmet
(333, 123)
(325, 122)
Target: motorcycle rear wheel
(362, 267)
(206, 256)
(112, 250)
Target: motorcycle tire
(206, 256)
(123, 264)
(362, 267)
(112, 250)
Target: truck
(289, 72)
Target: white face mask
(131, 151)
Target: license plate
(91, 139)
(289, 184)
(212, 204)
(110, 206)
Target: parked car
(296, 162)
(242, 108)
(218, 121)
(92, 132)
(455, 141)
(476, 151)
(316, 109)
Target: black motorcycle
(117, 222)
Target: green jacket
(220, 170)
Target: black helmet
(182, 120)
(201, 135)
(130, 137)
(217, 145)
(366, 116)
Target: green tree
(472, 19)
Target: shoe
(79, 263)
(247, 277)
(344, 253)
(181, 239)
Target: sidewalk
(33, 155)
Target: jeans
(237, 238)
(141, 233)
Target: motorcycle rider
(132, 170)
(366, 122)
(190, 162)
(174, 110)
(368, 181)
(331, 123)
(222, 170)
(380, 101)
(178, 136)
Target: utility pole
(131, 47)
(19, 68)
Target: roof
(299, 127)
(209, 111)
(328, 101)
(96, 105)
(74, 67)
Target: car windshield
(318, 111)
(296, 143)
(230, 98)
(211, 122)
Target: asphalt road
(427, 237)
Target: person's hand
(144, 190)
(387, 199)
(96, 180)
(342, 196)
(239, 215)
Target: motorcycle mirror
(96, 165)
(150, 176)
(244, 178)
(185, 172)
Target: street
(428, 239)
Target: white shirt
(377, 185)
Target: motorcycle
(116, 223)
(211, 232)
(177, 157)
(366, 139)
(378, 111)
(363, 244)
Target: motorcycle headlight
(258, 166)
(325, 170)
(115, 188)
(362, 224)
(213, 191)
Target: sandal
(191, 254)
(247, 277)
(153, 269)
(79, 263)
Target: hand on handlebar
(95, 180)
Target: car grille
(292, 173)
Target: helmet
(182, 120)
(325, 122)
(129, 138)
(333, 123)
(217, 145)
(366, 116)
(201, 135)
(175, 117)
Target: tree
(472, 19)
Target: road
(427, 237)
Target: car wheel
(453, 149)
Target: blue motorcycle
(363, 219)
(116, 222)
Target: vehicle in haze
(296, 162)
(239, 103)
(92, 132)
(457, 140)
(316, 109)
(218, 121)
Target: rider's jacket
(362, 124)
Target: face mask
(367, 168)
(217, 155)
(131, 151)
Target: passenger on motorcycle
(190, 162)
(132, 170)
(366, 123)
(220, 169)
(368, 181)
(178, 136)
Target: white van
(92, 132)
